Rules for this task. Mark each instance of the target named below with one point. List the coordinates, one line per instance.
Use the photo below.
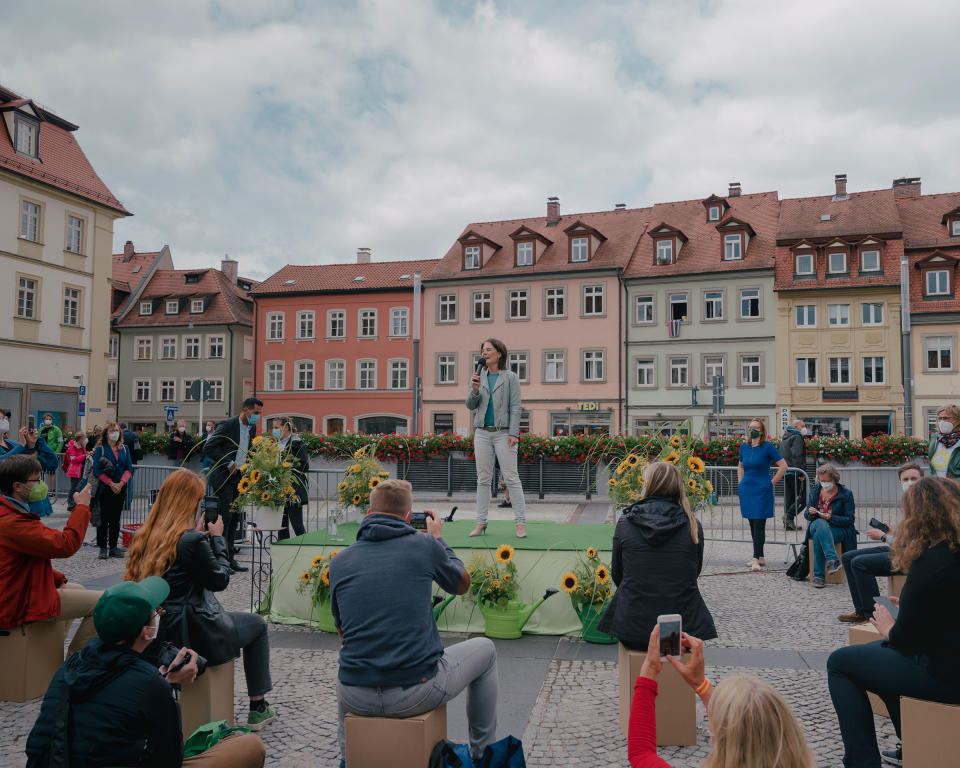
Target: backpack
(506, 753)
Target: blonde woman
(944, 451)
(657, 557)
(750, 723)
(178, 544)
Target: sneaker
(104, 553)
(818, 583)
(893, 756)
(259, 718)
(117, 551)
(833, 566)
(789, 524)
(852, 618)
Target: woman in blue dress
(755, 486)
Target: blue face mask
(253, 418)
(277, 433)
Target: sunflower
(343, 486)
(633, 460)
(265, 496)
(374, 482)
(622, 467)
(334, 554)
(696, 465)
(287, 464)
(255, 476)
(383, 475)
(487, 574)
(325, 577)
(495, 584)
(675, 441)
(360, 452)
(244, 485)
(569, 583)
(612, 483)
(317, 561)
(507, 577)
(357, 498)
(305, 577)
(672, 458)
(692, 484)
(602, 574)
(288, 489)
(257, 439)
(244, 467)
(504, 553)
(591, 552)
(709, 487)
(353, 468)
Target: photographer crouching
(391, 661)
(108, 706)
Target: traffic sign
(82, 408)
(195, 389)
(96, 410)
(83, 390)
(171, 413)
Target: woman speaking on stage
(495, 396)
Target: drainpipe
(622, 352)
(905, 351)
(229, 376)
(256, 324)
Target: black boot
(104, 553)
(117, 551)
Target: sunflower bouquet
(267, 477)
(361, 477)
(315, 581)
(589, 582)
(493, 577)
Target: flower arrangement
(267, 478)
(316, 580)
(493, 577)
(360, 478)
(589, 582)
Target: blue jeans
(824, 537)
(471, 664)
(881, 669)
(862, 567)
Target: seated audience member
(391, 661)
(944, 455)
(177, 544)
(919, 653)
(831, 512)
(863, 566)
(181, 442)
(657, 556)
(32, 589)
(750, 723)
(108, 706)
(294, 451)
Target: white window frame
(477, 301)
(838, 313)
(713, 213)
(144, 386)
(678, 365)
(713, 298)
(710, 365)
(870, 368)
(112, 390)
(274, 373)
(74, 234)
(648, 367)
(871, 313)
(671, 301)
(742, 295)
(955, 228)
(192, 344)
(275, 326)
(30, 215)
(172, 307)
(367, 323)
(113, 347)
(805, 380)
(211, 341)
(399, 322)
(26, 136)
(525, 251)
(809, 312)
(936, 274)
(216, 390)
(447, 305)
(806, 255)
(306, 369)
(196, 306)
(593, 365)
(665, 251)
(446, 368)
(593, 293)
(555, 295)
(580, 249)
(863, 260)
(399, 367)
(367, 374)
(555, 363)
(644, 302)
(830, 269)
(755, 362)
(835, 372)
(471, 257)
(146, 308)
(939, 345)
(143, 344)
(306, 325)
(335, 374)
(518, 304)
(168, 390)
(72, 298)
(336, 317)
(733, 247)
(519, 363)
(27, 290)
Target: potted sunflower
(315, 581)
(590, 587)
(353, 492)
(494, 588)
(266, 483)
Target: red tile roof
(621, 228)
(62, 163)
(340, 278)
(862, 213)
(227, 302)
(924, 234)
(703, 250)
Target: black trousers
(758, 532)
(794, 494)
(111, 504)
(226, 495)
(74, 486)
(294, 514)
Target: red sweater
(28, 582)
(642, 734)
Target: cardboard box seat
(829, 578)
(31, 655)
(676, 701)
(930, 733)
(208, 698)
(376, 742)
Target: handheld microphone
(481, 364)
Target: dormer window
(192, 279)
(196, 306)
(732, 247)
(951, 219)
(937, 282)
(25, 140)
(664, 251)
(580, 249)
(471, 257)
(837, 263)
(804, 264)
(173, 307)
(955, 228)
(870, 260)
(716, 207)
(146, 308)
(525, 253)
(713, 213)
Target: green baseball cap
(126, 607)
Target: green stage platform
(548, 551)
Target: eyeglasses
(159, 612)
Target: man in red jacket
(32, 590)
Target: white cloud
(293, 132)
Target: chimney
(620, 207)
(841, 181)
(363, 255)
(229, 268)
(128, 250)
(553, 210)
(906, 187)
(734, 190)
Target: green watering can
(508, 623)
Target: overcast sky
(293, 131)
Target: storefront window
(660, 426)
(577, 423)
(827, 425)
(728, 428)
(61, 405)
(382, 425)
(875, 424)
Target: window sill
(870, 273)
(405, 337)
(28, 240)
(517, 319)
(554, 317)
(584, 316)
(366, 338)
(26, 319)
(481, 320)
(74, 253)
(558, 381)
(335, 338)
(593, 381)
(70, 325)
(804, 276)
(749, 319)
(306, 338)
(837, 275)
(447, 322)
(274, 341)
(711, 320)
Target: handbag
(506, 753)
(207, 736)
(799, 569)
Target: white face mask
(906, 485)
(155, 626)
(181, 429)
(4, 426)
(804, 431)
(48, 422)
(209, 430)
(946, 427)
(826, 485)
(114, 436)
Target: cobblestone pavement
(573, 721)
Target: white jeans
(486, 446)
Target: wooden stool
(375, 742)
(829, 578)
(930, 733)
(676, 701)
(859, 635)
(31, 655)
(895, 584)
(208, 698)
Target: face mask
(114, 436)
(827, 485)
(181, 430)
(209, 430)
(155, 626)
(277, 433)
(906, 485)
(38, 492)
(804, 431)
(253, 418)
(754, 434)
(4, 426)
(48, 422)
(946, 427)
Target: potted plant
(360, 478)
(266, 483)
(590, 587)
(316, 582)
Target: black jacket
(194, 616)
(121, 713)
(655, 566)
(793, 448)
(132, 440)
(178, 451)
(221, 449)
(297, 453)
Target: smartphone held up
(670, 630)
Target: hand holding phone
(670, 633)
(888, 603)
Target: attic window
(405, 277)
(665, 251)
(580, 249)
(25, 139)
(825, 217)
(955, 228)
(192, 278)
(173, 307)
(713, 214)
(359, 279)
(136, 269)
(196, 306)
(146, 307)
(290, 282)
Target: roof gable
(937, 258)
(471, 238)
(955, 213)
(732, 224)
(525, 233)
(665, 230)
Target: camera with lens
(418, 520)
(168, 652)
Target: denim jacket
(506, 402)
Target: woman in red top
(75, 456)
(750, 723)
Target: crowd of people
(114, 698)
